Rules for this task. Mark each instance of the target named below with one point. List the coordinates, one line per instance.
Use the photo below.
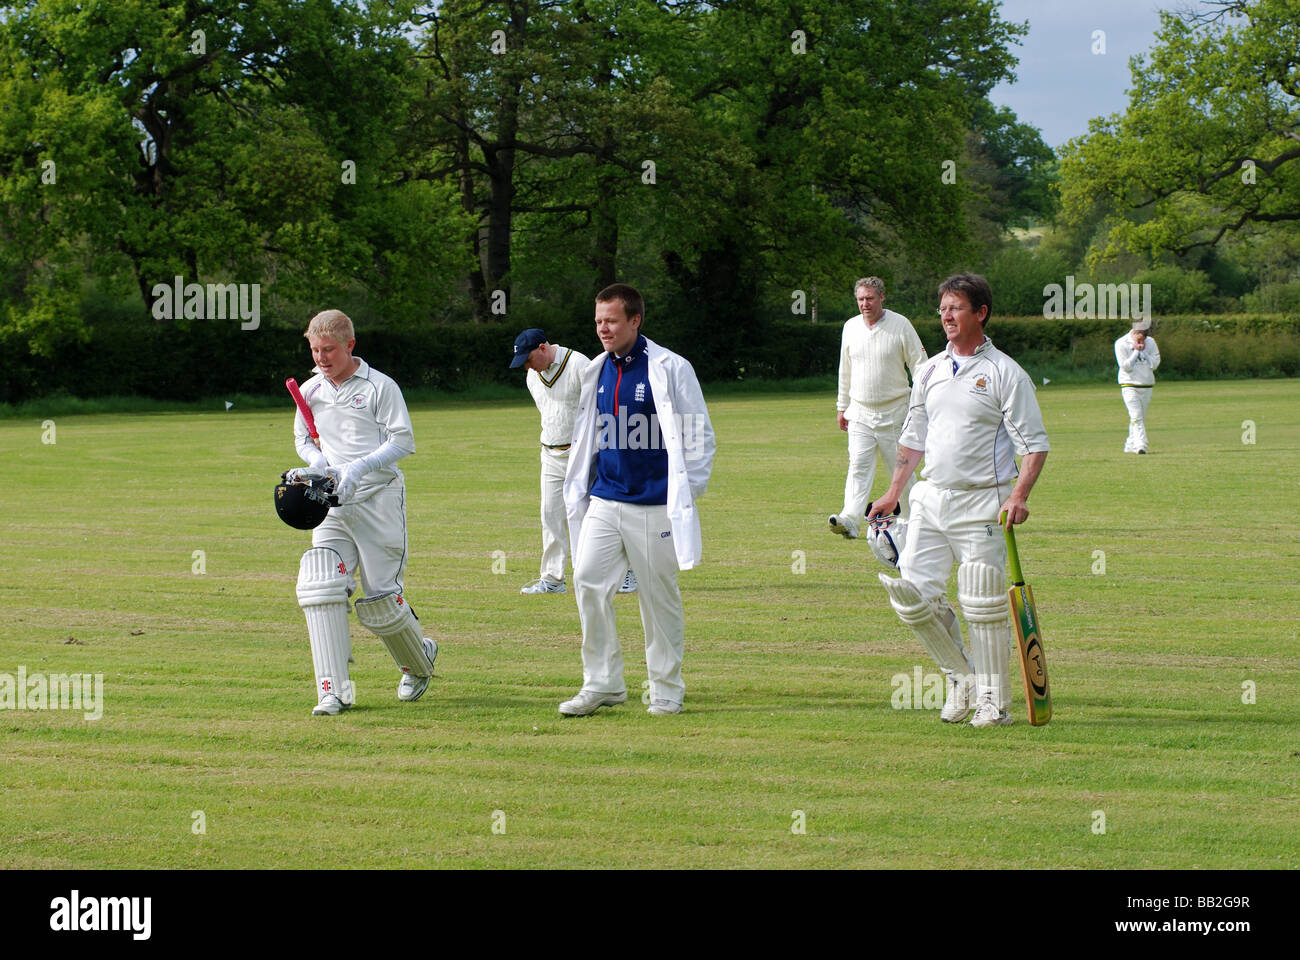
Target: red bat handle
(305, 410)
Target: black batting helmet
(303, 503)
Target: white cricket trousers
(947, 526)
(864, 444)
(555, 525)
(1137, 399)
(371, 534)
(617, 536)
(962, 525)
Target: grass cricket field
(145, 548)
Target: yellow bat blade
(1033, 664)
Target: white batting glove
(347, 478)
(304, 474)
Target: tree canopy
(478, 159)
(1209, 147)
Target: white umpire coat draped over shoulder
(687, 436)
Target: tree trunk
(497, 218)
(604, 213)
(469, 203)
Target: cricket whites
(1024, 614)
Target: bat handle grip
(1013, 555)
(292, 386)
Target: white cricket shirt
(972, 421)
(1137, 368)
(356, 419)
(873, 383)
(556, 391)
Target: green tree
(1015, 169)
(845, 131)
(1209, 145)
(538, 111)
(207, 140)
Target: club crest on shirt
(358, 402)
(640, 392)
(981, 386)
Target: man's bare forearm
(904, 467)
(907, 461)
(1031, 465)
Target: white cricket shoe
(329, 706)
(957, 704)
(844, 526)
(629, 583)
(589, 701)
(988, 715)
(411, 688)
(662, 708)
(545, 586)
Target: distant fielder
(364, 430)
(1137, 356)
(642, 455)
(872, 401)
(555, 380)
(971, 407)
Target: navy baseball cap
(526, 343)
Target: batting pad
(389, 617)
(929, 619)
(323, 596)
(982, 592)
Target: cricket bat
(292, 386)
(1024, 614)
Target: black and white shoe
(845, 527)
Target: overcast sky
(1061, 83)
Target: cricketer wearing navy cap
(554, 379)
(642, 455)
(526, 343)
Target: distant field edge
(65, 405)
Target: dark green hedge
(217, 358)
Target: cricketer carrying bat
(971, 406)
(364, 430)
(642, 455)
